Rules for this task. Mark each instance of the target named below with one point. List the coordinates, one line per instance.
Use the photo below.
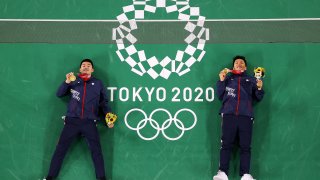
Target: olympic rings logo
(160, 128)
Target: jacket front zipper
(237, 110)
(83, 99)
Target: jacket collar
(85, 77)
(244, 73)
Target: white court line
(155, 20)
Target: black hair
(240, 57)
(86, 60)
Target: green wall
(285, 129)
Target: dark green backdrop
(285, 144)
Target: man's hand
(110, 125)
(259, 84)
(68, 76)
(223, 74)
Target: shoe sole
(218, 178)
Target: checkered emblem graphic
(138, 60)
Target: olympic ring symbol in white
(154, 124)
(138, 60)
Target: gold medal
(110, 118)
(72, 77)
(226, 70)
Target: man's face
(86, 67)
(240, 65)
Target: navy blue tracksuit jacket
(85, 98)
(237, 93)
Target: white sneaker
(247, 177)
(220, 176)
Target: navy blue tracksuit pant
(72, 128)
(234, 127)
